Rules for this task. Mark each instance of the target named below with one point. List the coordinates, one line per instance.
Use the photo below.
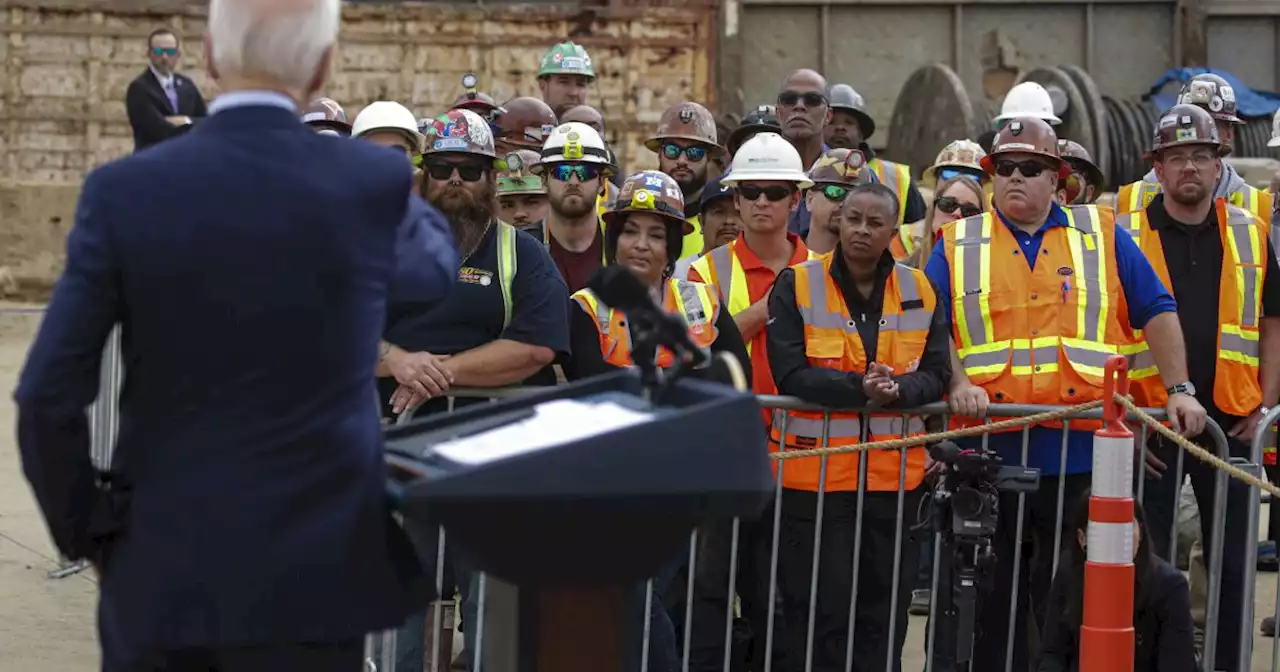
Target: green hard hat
(566, 58)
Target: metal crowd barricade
(778, 629)
(1263, 438)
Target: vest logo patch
(475, 276)
(1065, 271)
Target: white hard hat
(1028, 99)
(766, 157)
(386, 115)
(1275, 131)
(573, 141)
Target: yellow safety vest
(506, 268)
(897, 177)
(732, 285)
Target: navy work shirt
(1146, 297)
(472, 314)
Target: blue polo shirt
(473, 313)
(1143, 292)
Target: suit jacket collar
(251, 117)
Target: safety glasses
(695, 153)
(945, 174)
(773, 193)
(1028, 168)
(833, 192)
(949, 205)
(468, 172)
(164, 51)
(810, 98)
(585, 171)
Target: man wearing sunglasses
(574, 166)
(836, 172)
(685, 141)
(1039, 297)
(504, 322)
(1216, 259)
(160, 102)
(585, 114)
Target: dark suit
(249, 263)
(147, 105)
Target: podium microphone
(621, 290)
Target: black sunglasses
(810, 98)
(469, 172)
(774, 193)
(673, 151)
(949, 204)
(1028, 168)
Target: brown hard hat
(525, 122)
(1187, 124)
(326, 113)
(844, 167)
(1213, 94)
(1078, 157)
(1025, 135)
(479, 102)
(653, 192)
(685, 121)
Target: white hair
(280, 39)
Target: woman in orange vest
(853, 329)
(647, 214)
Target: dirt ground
(48, 625)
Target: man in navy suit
(243, 525)
(160, 102)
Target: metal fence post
(1106, 633)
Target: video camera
(966, 508)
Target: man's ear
(209, 65)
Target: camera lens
(968, 503)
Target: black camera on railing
(971, 484)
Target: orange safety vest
(722, 268)
(1236, 389)
(1137, 196)
(897, 177)
(903, 245)
(695, 302)
(831, 341)
(1039, 336)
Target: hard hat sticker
(573, 63)
(1215, 104)
(686, 114)
(1016, 128)
(1228, 94)
(449, 143)
(674, 192)
(654, 181)
(1171, 120)
(1186, 134)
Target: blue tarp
(1249, 103)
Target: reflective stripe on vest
(695, 302)
(1244, 239)
(721, 267)
(848, 427)
(978, 350)
(898, 178)
(506, 269)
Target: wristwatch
(1182, 388)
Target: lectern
(567, 498)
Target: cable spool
(934, 109)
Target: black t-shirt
(1193, 255)
(473, 313)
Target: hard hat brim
(1274, 142)
(655, 143)
(686, 227)
(736, 136)
(865, 123)
(1052, 120)
(799, 179)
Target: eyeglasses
(164, 51)
(810, 98)
(949, 205)
(834, 192)
(945, 174)
(773, 193)
(1028, 168)
(469, 172)
(695, 153)
(1198, 159)
(585, 171)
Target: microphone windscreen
(619, 288)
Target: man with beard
(852, 127)
(585, 114)
(504, 322)
(574, 166)
(565, 76)
(1215, 258)
(685, 142)
(721, 222)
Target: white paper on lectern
(554, 423)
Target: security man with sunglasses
(160, 102)
(1038, 297)
(836, 172)
(686, 140)
(575, 165)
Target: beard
(467, 212)
(1189, 194)
(691, 186)
(577, 210)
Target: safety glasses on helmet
(949, 205)
(1028, 168)
(773, 193)
(585, 171)
(945, 174)
(673, 151)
